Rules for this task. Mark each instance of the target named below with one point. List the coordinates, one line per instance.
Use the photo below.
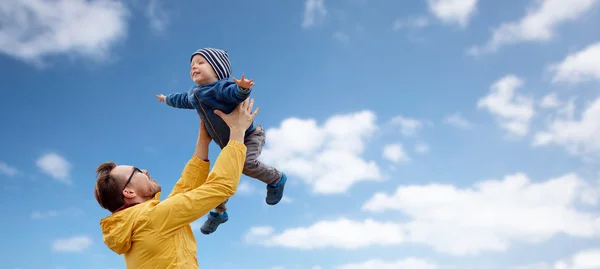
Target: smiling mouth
(196, 73)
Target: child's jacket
(223, 95)
(156, 234)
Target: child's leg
(254, 168)
(215, 219)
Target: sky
(459, 134)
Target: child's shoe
(275, 191)
(213, 222)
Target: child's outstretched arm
(237, 92)
(178, 100)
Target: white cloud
(579, 67)
(325, 234)
(39, 215)
(44, 215)
(159, 19)
(35, 29)
(395, 153)
(586, 259)
(539, 24)
(8, 170)
(72, 244)
(326, 157)
(453, 11)
(457, 120)
(489, 216)
(341, 37)
(245, 188)
(550, 101)
(408, 126)
(512, 110)
(55, 166)
(407, 263)
(578, 136)
(421, 148)
(493, 213)
(314, 12)
(418, 22)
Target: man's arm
(196, 170)
(184, 208)
(232, 93)
(179, 100)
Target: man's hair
(108, 188)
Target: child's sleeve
(179, 100)
(232, 93)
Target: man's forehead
(122, 169)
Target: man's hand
(161, 98)
(239, 119)
(244, 83)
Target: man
(154, 234)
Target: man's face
(138, 182)
(201, 72)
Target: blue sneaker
(275, 191)
(213, 221)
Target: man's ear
(129, 193)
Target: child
(210, 69)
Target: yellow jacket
(157, 234)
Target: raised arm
(235, 92)
(179, 100)
(196, 170)
(184, 208)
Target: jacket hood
(117, 228)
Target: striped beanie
(218, 59)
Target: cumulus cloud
(314, 12)
(457, 120)
(72, 244)
(489, 216)
(413, 23)
(330, 233)
(34, 30)
(408, 126)
(538, 25)
(421, 148)
(157, 16)
(585, 259)
(576, 135)
(55, 166)
(453, 11)
(408, 263)
(395, 153)
(327, 157)
(8, 170)
(512, 110)
(550, 100)
(579, 66)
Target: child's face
(201, 72)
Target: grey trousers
(254, 168)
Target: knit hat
(218, 59)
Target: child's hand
(244, 83)
(161, 98)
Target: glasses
(135, 169)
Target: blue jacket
(223, 95)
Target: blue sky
(429, 134)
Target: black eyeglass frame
(135, 169)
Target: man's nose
(145, 171)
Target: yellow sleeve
(194, 174)
(184, 208)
